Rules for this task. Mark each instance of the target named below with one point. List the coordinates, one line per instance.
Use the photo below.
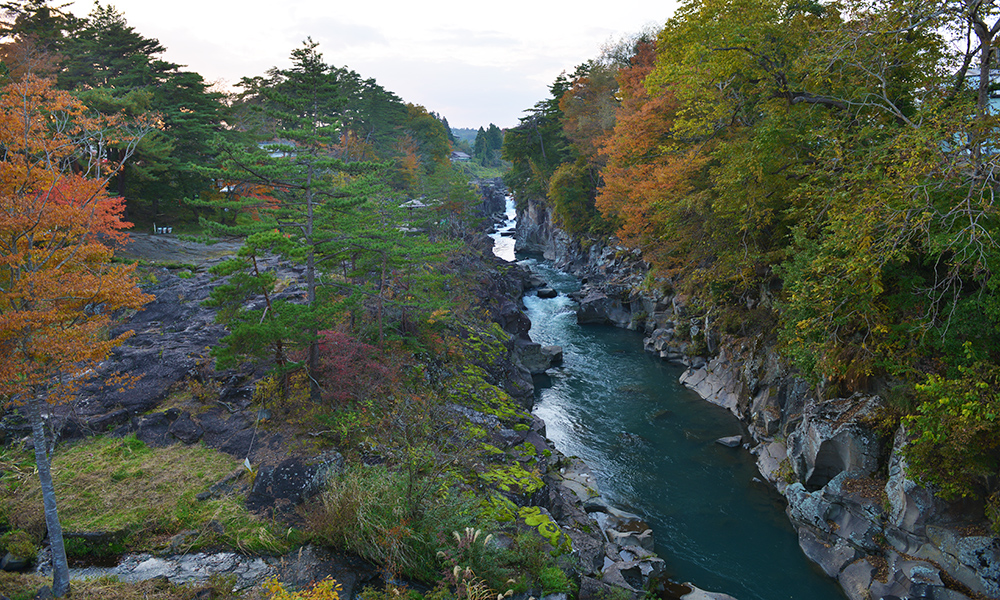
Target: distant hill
(465, 133)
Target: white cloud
(473, 62)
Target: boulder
(832, 558)
(765, 411)
(554, 354)
(13, 563)
(856, 579)
(281, 488)
(153, 429)
(493, 194)
(185, 430)
(598, 309)
(911, 506)
(833, 515)
(312, 563)
(659, 340)
(634, 574)
(770, 458)
(588, 548)
(534, 282)
(973, 560)
(732, 441)
(626, 529)
(547, 292)
(717, 384)
(699, 594)
(513, 320)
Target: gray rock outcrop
(831, 440)
(537, 358)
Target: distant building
(458, 156)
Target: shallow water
(651, 444)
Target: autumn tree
(58, 287)
(589, 106)
(649, 177)
(34, 33)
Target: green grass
(474, 170)
(145, 495)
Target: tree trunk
(985, 34)
(312, 364)
(60, 566)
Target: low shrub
(956, 430)
(327, 589)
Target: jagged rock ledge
(880, 537)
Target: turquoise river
(651, 444)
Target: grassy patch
(17, 586)
(146, 494)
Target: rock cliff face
(494, 196)
(858, 514)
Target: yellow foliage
(327, 589)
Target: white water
(503, 245)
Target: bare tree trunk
(60, 566)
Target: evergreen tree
(113, 67)
(108, 52)
(479, 149)
(308, 182)
(537, 146)
(447, 128)
(493, 146)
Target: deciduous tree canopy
(58, 287)
(832, 160)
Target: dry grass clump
(16, 585)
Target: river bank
(856, 513)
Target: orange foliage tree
(649, 177)
(58, 287)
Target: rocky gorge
(176, 397)
(858, 514)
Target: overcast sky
(473, 61)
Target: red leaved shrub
(350, 370)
